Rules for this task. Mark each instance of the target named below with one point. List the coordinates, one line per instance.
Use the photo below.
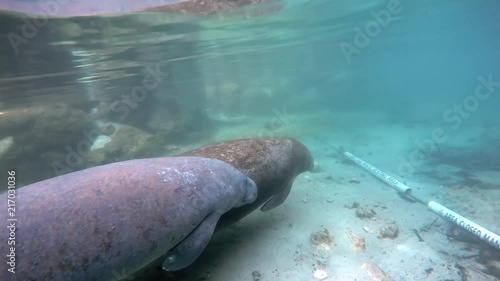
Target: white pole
(466, 224)
(379, 174)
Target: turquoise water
(413, 61)
(352, 55)
(321, 71)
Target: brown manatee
(66, 8)
(107, 222)
(272, 163)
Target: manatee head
(230, 188)
(302, 158)
(249, 191)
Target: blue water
(428, 55)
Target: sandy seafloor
(277, 244)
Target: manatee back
(111, 220)
(273, 163)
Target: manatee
(272, 163)
(107, 222)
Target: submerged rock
(375, 272)
(388, 231)
(363, 213)
(39, 129)
(124, 143)
(321, 239)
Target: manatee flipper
(191, 247)
(277, 198)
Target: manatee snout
(303, 157)
(246, 188)
(251, 191)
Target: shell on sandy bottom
(320, 274)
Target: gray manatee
(107, 222)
